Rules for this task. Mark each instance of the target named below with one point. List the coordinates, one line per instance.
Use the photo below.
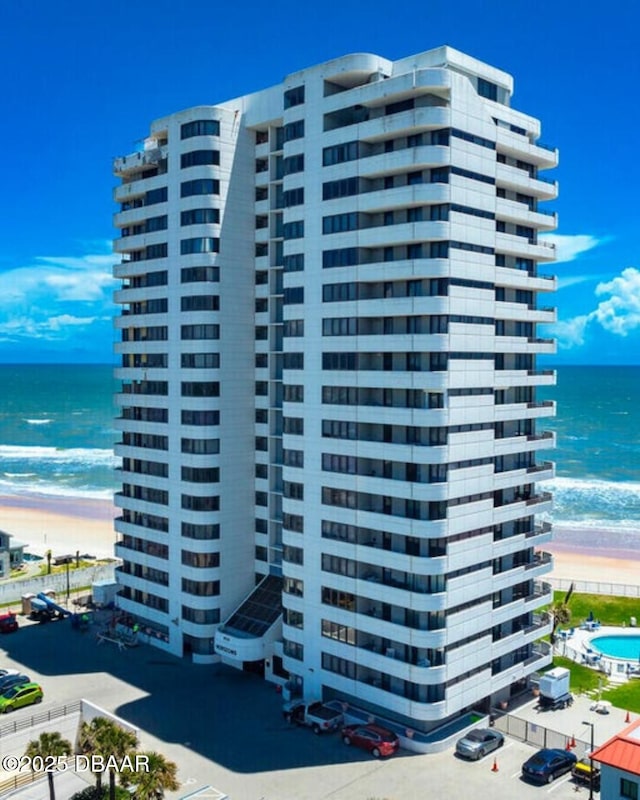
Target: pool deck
(575, 643)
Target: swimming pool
(626, 647)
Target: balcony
(140, 162)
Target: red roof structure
(622, 750)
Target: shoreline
(63, 525)
(67, 524)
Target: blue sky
(83, 80)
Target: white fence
(12, 591)
(596, 587)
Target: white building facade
(330, 301)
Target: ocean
(57, 434)
(56, 430)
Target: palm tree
(49, 745)
(89, 741)
(157, 777)
(560, 613)
(106, 738)
(119, 743)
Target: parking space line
(557, 784)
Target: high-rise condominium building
(331, 291)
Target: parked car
(547, 764)
(8, 623)
(7, 681)
(377, 740)
(23, 694)
(478, 742)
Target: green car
(22, 695)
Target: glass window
(199, 158)
(200, 127)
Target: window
(293, 327)
(200, 127)
(189, 332)
(198, 274)
(338, 223)
(293, 230)
(200, 186)
(197, 216)
(342, 188)
(293, 586)
(208, 616)
(294, 491)
(200, 475)
(293, 263)
(191, 530)
(200, 302)
(293, 164)
(343, 257)
(199, 244)
(154, 196)
(293, 393)
(295, 619)
(294, 97)
(293, 522)
(199, 158)
(293, 425)
(155, 224)
(294, 294)
(628, 789)
(401, 105)
(200, 446)
(293, 197)
(197, 503)
(200, 360)
(196, 417)
(294, 130)
(201, 588)
(487, 89)
(200, 389)
(156, 251)
(339, 153)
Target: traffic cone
(494, 768)
(568, 747)
(628, 717)
(572, 743)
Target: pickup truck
(317, 716)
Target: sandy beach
(62, 525)
(65, 525)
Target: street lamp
(590, 724)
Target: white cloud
(570, 333)
(619, 313)
(56, 296)
(569, 247)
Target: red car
(8, 623)
(378, 741)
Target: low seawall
(12, 591)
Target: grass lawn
(609, 610)
(625, 696)
(583, 679)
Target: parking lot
(225, 729)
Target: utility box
(104, 593)
(26, 603)
(555, 683)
